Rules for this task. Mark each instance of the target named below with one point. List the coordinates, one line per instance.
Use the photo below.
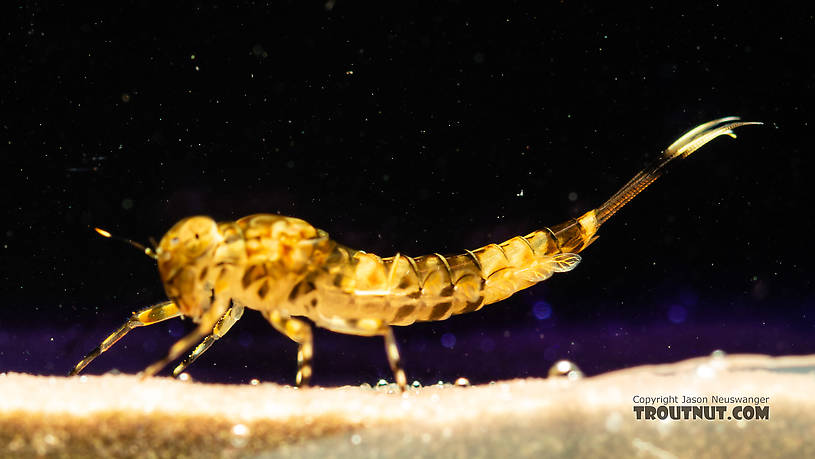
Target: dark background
(411, 129)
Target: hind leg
(372, 327)
(298, 331)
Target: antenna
(147, 250)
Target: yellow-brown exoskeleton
(289, 270)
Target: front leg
(147, 316)
(232, 315)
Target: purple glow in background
(429, 131)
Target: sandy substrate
(121, 416)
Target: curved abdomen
(400, 290)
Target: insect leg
(147, 316)
(373, 327)
(394, 360)
(205, 326)
(298, 331)
(232, 315)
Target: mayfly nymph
(289, 270)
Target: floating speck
(448, 340)
(677, 314)
(542, 310)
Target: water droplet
(718, 354)
(356, 439)
(462, 382)
(184, 377)
(416, 385)
(254, 381)
(364, 386)
(240, 435)
(705, 371)
(567, 369)
(381, 383)
(613, 422)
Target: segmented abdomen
(401, 290)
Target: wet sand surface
(122, 416)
